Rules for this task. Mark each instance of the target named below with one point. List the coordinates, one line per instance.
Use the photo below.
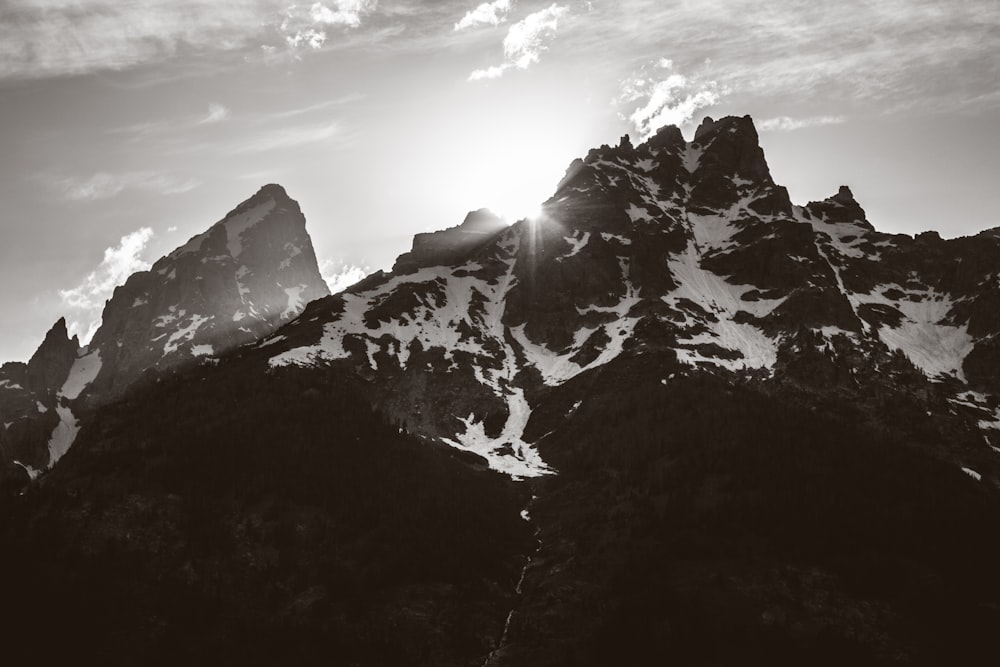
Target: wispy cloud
(40, 38)
(339, 275)
(216, 113)
(525, 42)
(105, 185)
(659, 95)
(119, 262)
(292, 137)
(488, 13)
(788, 124)
(45, 38)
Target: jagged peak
(710, 127)
(667, 137)
(50, 364)
(452, 244)
(272, 192)
(58, 334)
(844, 196)
(482, 220)
(841, 207)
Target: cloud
(488, 13)
(57, 37)
(307, 27)
(787, 124)
(120, 261)
(216, 113)
(340, 275)
(492, 72)
(291, 137)
(525, 41)
(665, 97)
(345, 12)
(46, 38)
(105, 185)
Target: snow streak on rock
(63, 435)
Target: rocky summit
(673, 418)
(245, 276)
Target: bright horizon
(127, 129)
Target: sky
(128, 127)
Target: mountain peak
(249, 272)
(50, 364)
(844, 196)
(482, 220)
(841, 207)
(451, 245)
(733, 124)
(272, 191)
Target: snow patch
(293, 251)
(163, 320)
(33, 473)
(691, 158)
(713, 294)
(295, 301)
(202, 350)
(637, 213)
(938, 349)
(576, 243)
(972, 473)
(185, 334)
(526, 462)
(81, 374)
(617, 237)
(63, 435)
(272, 341)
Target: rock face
(451, 246)
(248, 274)
(50, 365)
(685, 247)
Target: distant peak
(272, 191)
(482, 220)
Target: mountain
(672, 245)
(673, 418)
(241, 279)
